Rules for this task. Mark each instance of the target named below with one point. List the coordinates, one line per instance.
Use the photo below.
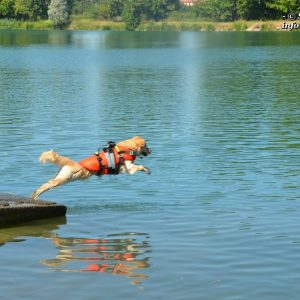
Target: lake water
(217, 219)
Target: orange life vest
(101, 163)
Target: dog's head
(138, 145)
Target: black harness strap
(112, 166)
(101, 167)
(121, 161)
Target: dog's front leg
(131, 168)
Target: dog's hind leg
(47, 186)
(64, 175)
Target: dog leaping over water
(114, 159)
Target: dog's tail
(55, 158)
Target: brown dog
(114, 158)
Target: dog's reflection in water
(120, 254)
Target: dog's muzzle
(144, 153)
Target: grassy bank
(88, 24)
(170, 25)
(175, 25)
(15, 24)
(166, 25)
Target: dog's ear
(134, 143)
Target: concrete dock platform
(16, 209)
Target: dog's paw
(34, 196)
(147, 170)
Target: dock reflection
(119, 254)
(40, 228)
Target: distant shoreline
(165, 25)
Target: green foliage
(95, 9)
(30, 9)
(136, 10)
(252, 9)
(103, 11)
(58, 12)
(6, 8)
(159, 9)
(132, 14)
(115, 8)
(220, 10)
(283, 6)
(22, 9)
(78, 7)
(230, 10)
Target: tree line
(231, 10)
(132, 12)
